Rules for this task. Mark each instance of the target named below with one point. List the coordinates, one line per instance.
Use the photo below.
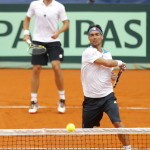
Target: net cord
(77, 131)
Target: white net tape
(77, 131)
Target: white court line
(134, 108)
(74, 107)
(39, 107)
(75, 148)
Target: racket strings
(37, 49)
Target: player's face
(95, 38)
(49, 1)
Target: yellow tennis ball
(70, 127)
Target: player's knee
(118, 125)
(56, 67)
(36, 69)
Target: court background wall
(78, 1)
(125, 26)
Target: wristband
(119, 62)
(26, 32)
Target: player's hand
(55, 35)
(113, 76)
(26, 38)
(123, 67)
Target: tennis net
(79, 139)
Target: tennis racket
(34, 49)
(118, 76)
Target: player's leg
(124, 138)
(60, 85)
(56, 56)
(35, 80)
(37, 62)
(58, 74)
(91, 112)
(112, 110)
(34, 88)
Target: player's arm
(109, 62)
(64, 27)
(26, 32)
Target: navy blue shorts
(93, 109)
(54, 52)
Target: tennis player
(96, 76)
(47, 14)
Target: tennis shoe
(61, 106)
(127, 147)
(33, 108)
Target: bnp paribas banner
(125, 27)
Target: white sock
(34, 97)
(127, 147)
(61, 94)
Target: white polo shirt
(46, 19)
(96, 79)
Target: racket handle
(28, 41)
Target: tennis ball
(70, 127)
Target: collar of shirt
(98, 50)
(42, 1)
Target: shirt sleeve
(30, 11)
(62, 14)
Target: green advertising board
(125, 27)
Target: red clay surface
(132, 91)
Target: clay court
(132, 91)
